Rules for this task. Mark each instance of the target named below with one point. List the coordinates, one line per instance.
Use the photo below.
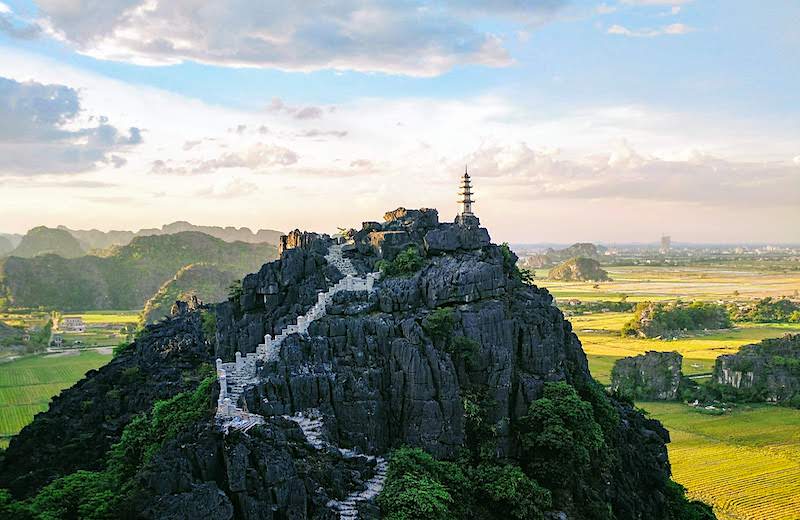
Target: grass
(706, 283)
(745, 463)
(600, 336)
(28, 384)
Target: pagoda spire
(465, 195)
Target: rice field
(28, 384)
(706, 283)
(745, 463)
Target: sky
(614, 121)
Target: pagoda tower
(465, 196)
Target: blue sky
(641, 111)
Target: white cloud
(4, 9)
(656, 2)
(362, 35)
(605, 9)
(44, 131)
(530, 165)
(624, 173)
(671, 29)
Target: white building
(71, 324)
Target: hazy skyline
(610, 121)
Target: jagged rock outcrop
(766, 371)
(649, 376)
(373, 371)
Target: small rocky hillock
(767, 371)
(674, 319)
(552, 256)
(579, 269)
(650, 376)
(452, 353)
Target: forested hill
(127, 276)
(42, 240)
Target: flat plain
(746, 462)
(28, 384)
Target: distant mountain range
(94, 239)
(72, 243)
(48, 274)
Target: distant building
(71, 324)
(666, 244)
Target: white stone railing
(233, 377)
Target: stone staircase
(312, 424)
(348, 508)
(234, 377)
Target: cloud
(42, 132)
(671, 30)
(409, 38)
(656, 2)
(257, 157)
(16, 26)
(308, 112)
(605, 9)
(228, 188)
(623, 173)
(314, 132)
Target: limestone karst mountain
(325, 367)
(126, 277)
(42, 240)
(93, 239)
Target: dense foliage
(127, 277)
(670, 319)
(511, 267)
(406, 263)
(577, 307)
(101, 495)
(420, 487)
(767, 310)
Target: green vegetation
(651, 320)
(209, 319)
(438, 325)
(767, 310)
(48, 241)
(510, 265)
(126, 277)
(745, 462)
(206, 282)
(28, 384)
(579, 269)
(102, 495)
(560, 438)
(418, 486)
(406, 263)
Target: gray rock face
(652, 375)
(373, 375)
(767, 371)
